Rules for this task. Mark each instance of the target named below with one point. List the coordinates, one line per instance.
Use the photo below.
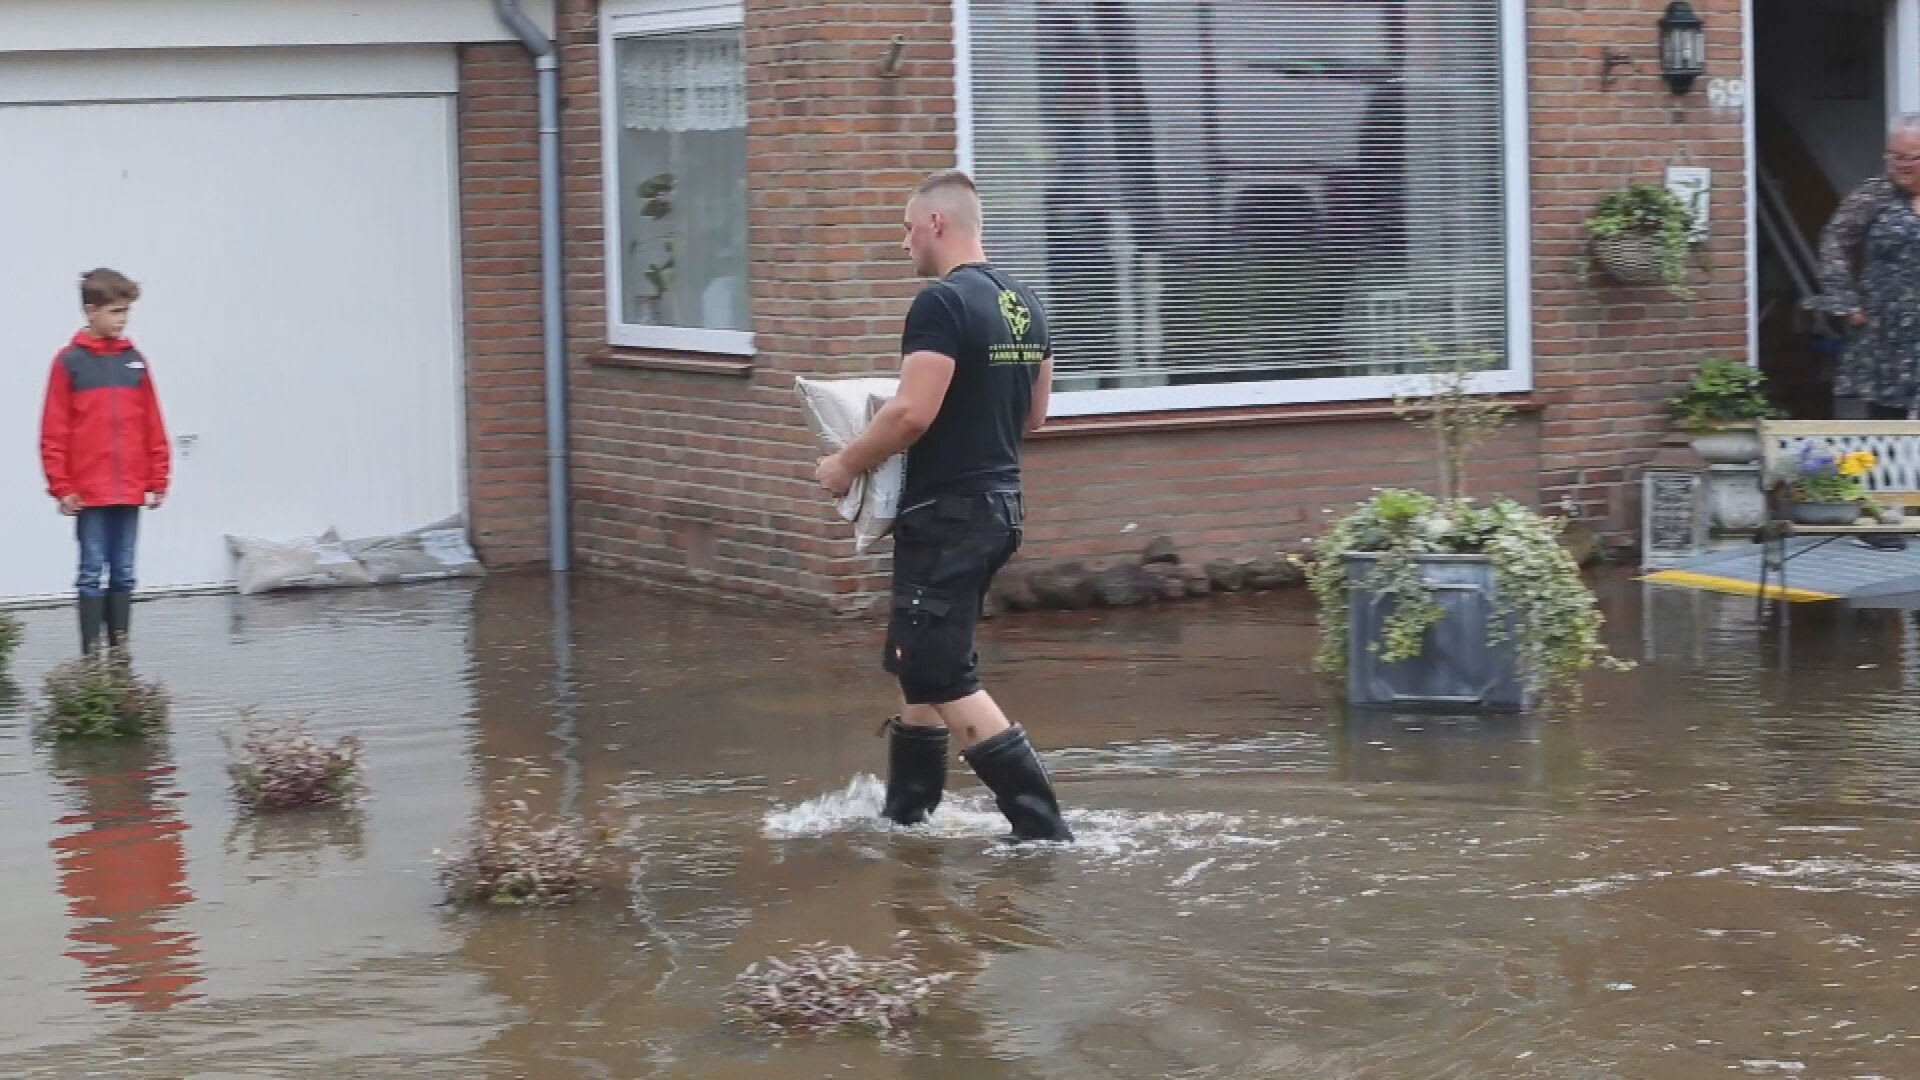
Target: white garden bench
(1894, 481)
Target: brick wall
(694, 473)
(704, 477)
(1606, 357)
(1240, 490)
(500, 220)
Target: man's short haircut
(104, 287)
(952, 193)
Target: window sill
(637, 360)
(1067, 427)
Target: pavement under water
(1710, 870)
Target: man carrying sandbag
(974, 377)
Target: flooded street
(1714, 870)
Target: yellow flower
(1858, 463)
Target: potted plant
(1640, 234)
(1445, 601)
(1826, 487)
(1720, 409)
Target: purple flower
(1815, 459)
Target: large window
(674, 98)
(1231, 202)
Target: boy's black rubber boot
(119, 618)
(93, 615)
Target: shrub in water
(512, 858)
(821, 988)
(282, 767)
(11, 632)
(99, 697)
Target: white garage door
(301, 314)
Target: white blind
(1243, 190)
(683, 82)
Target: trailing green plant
(1542, 604)
(99, 697)
(514, 859)
(280, 766)
(1652, 212)
(1721, 394)
(12, 633)
(822, 988)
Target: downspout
(553, 307)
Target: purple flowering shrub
(822, 988)
(280, 766)
(513, 858)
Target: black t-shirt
(996, 332)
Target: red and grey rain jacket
(101, 435)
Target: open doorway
(1821, 101)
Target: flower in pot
(1640, 236)
(1719, 409)
(1827, 487)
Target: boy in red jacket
(104, 448)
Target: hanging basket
(1630, 259)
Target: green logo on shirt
(1019, 319)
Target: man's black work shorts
(945, 554)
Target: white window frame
(646, 18)
(1518, 376)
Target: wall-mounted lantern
(1683, 46)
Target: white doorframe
(1752, 183)
(1903, 57)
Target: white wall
(68, 25)
(206, 74)
(299, 265)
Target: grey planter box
(1458, 667)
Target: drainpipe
(552, 301)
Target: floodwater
(1714, 870)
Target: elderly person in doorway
(1870, 277)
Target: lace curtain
(683, 82)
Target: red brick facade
(1606, 358)
(500, 219)
(696, 471)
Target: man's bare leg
(975, 718)
(927, 716)
(1006, 762)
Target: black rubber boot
(1011, 769)
(119, 618)
(916, 772)
(93, 615)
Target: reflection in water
(295, 842)
(1439, 748)
(1716, 863)
(124, 872)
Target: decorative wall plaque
(1673, 518)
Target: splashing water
(856, 809)
(1122, 835)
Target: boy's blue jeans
(107, 536)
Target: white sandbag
(437, 551)
(838, 410)
(311, 562)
